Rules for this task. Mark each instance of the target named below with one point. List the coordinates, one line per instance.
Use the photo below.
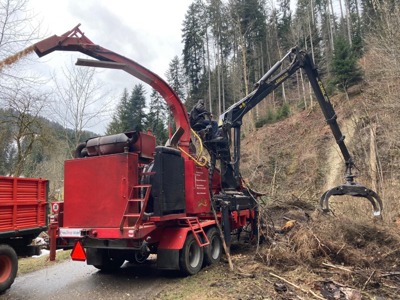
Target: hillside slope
(307, 254)
(294, 161)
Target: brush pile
(314, 255)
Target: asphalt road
(76, 280)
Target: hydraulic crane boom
(232, 118)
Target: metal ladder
(135, 207)
(196, 229)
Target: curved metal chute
(356, 190)
(76, 40)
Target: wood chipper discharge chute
(75, 40)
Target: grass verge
(31, 264)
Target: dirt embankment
(306, 254)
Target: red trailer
(23, 215)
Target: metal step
(194, 222)
(136, 213)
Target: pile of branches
(331, 251)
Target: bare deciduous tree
(20, 105)
(26, 127)
(18, 31)
(80, 102)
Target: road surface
(76, 280)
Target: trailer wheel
(213, 252)
(191, 256)
(8, 267)
(108, 263)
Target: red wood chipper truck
(126, 198)
(23, 215)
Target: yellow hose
(201, 160)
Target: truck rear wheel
(8, 267)
(191, 256)
(213, 252)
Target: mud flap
(169, 248)
(94, 256)
(356, 190)
(168, 259)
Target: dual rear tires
(192, 257)
(213, 251)
(8, 267)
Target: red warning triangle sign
(78, 253)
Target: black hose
(78, 151)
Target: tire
(191, 256)
(213, 252)
(109, 264)
(21, 241)
(8, 267)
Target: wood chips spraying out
(16, 57)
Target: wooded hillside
(227, 47)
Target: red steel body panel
(196, 188)
(97, 189)
(174, 237)
(23, 203)
(146, 144)
(239, 218)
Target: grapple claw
(356, 190)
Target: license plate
(70, 232)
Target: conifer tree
(138, 104)
(193, 34)
(344, 65)
(175, 78)
(115, 126)
(130, 113)
(156, 118)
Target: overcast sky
(147, 31)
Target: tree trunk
(342, 17)
(348, 21)
(219, 78)
(310, 25)
(209, 73)
(222, 82)
(304, 89)
(333, 14)
(330, 26)
(373, 158)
